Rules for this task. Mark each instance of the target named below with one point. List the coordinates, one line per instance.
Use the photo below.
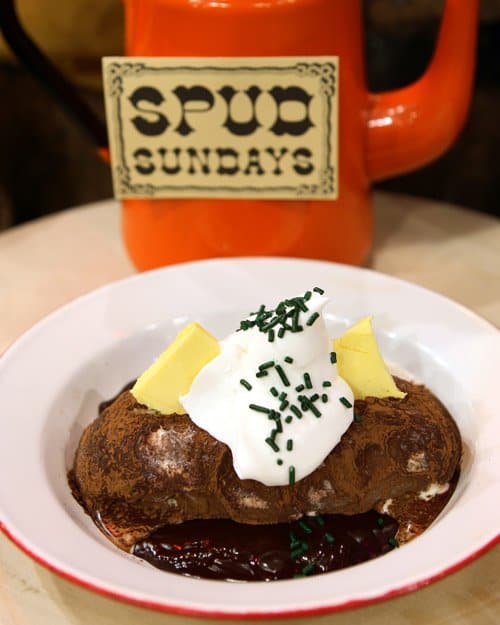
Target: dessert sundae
(274, 453)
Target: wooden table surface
(46, 263)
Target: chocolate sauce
(225, 550)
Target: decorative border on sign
(325, 72)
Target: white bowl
(53, 378)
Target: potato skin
(136, 469)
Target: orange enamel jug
(379, 134)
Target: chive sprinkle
(300, 388)
(272, 444)
(306, 528)
(246, 384)
(324, 398)
(309, 567)
(326, 383)
(307, 380)
(296, 553)
(333, 357)
(345, 402)
(296, 412)
(288, 359)
(258, 408)
(282, 374)
(266, 365)
(312, 319)
(274, 391)
(261, 374)
(291, 475)
(315, 411)
(289, 419)
(289, 445)
(329, 537)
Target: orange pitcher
(379, 134)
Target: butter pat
(360, 364)
(171, 375)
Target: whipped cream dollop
(273, 394)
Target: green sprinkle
(300, 388)
(274, 391)
(291, 475)
(357, 418)
(281, 332)
(282, 374)
(258, 408)
(279, 461)
(320, 520)
(296, 553)
(326, 383)
(299, 302)
(329, 537)
(345, 402)
(293, 539)
(315, 411)
(312, 319)
(288, 360)
(380, 522)
(296, 412)
(309, 567)
(246, 384)
(261, 374)
(318, 290)
(289, 419)
(271, 324)
(282, 396)
(306, 528)
(279, 427)
(307, 380)
(333, 357)
(314, 397)
(324, 398)
(307, 295)
(284, 404)
(272, 444)
(289, 445)
(266, 365)
(393, 542)
(270, 336)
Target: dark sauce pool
(225, 550)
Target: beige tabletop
(50, 261)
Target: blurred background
(47, 163)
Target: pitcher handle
(45, 71)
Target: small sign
(241, 127)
